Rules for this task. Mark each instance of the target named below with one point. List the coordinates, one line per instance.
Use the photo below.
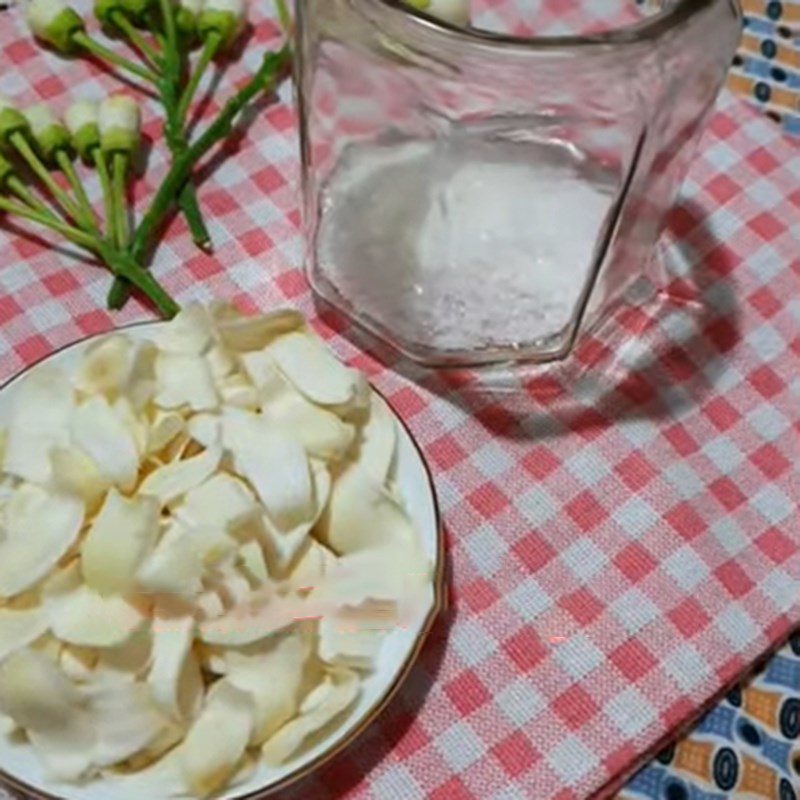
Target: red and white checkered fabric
(623, 529)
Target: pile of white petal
(201, 551)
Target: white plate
(21, 770)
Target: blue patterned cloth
(746, 747)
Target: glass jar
(482, 194)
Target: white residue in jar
(465, 242)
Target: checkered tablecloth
(622, 529)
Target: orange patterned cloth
(767, 67)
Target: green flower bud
(136, 9)
(120, 125)
(456, 12)
(49, 135)
(226, 18)
(55, 23)
(11, 120)
(186, 15)
(104, 13)
(82, 123)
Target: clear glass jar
(483, 194)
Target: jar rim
(648, 29)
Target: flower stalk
(107, 137)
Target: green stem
(176, 139)
(119, 172)
(121, 264)
(187, 199)
(86, 218)
(265, 79)
(262, 81)
(137, 40)
(210, 48)
(21, 145)
(48, 220)
(284, 16)
(171, 52)
(18, 188)
(101, 166)
(190, 208)
(96, 49)
(125, 267)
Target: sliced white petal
(231, 584)
(101, 434)
(209, 605)
(314, 370)
(73, 472)
(320, 708)
(251, 559)
(120, 538)
(378, 440)
(242, 333)
(381, 583)
(263, 616)
(175, 679)
(131, 660)
(125, 718)
(222, 501)
(205, 429)
(212, 543)
(164, 428)
(361, 514)
(39, 421)
(311, 568)
(213, 749)
(39, 527)
(237, 391)
(174, 567)
(172, 481)
(78, 663)
(116, 366)
(190, 333)
(351, 640)
(221, 362)
(106, 367)
(273, 680)
(48, 646)
(275, 465)
(8, 485)
(264, 374)
(140, 386)
(323, 434)
(80, 616)
(283, 547)
(185, 381)
(18, 629)
(137, 427)
(37, 695)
